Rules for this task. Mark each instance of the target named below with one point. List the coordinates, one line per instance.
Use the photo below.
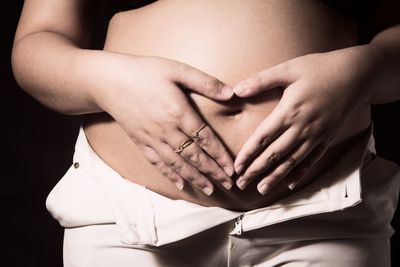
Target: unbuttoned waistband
(91, 192)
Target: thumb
(276, 76)
(202, 83)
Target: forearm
(386, 53)
(58, 73)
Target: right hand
(155, 113)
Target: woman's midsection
(229, 40)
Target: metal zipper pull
(238, 225)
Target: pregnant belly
(229, 41)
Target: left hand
(320, 92)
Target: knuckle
(307, 132)
(193, 158)
(263, 141)
(148, 152)
(274, 157)
(214, 172)
(206, 135)
(218, 175)
(166, 173)
(219, 178)
(174, 111)
(206, 132)
(191, 179)
(205, 142)
(295, 115)
(172, 178)
(293, 112)
(157, 164)
(164, 137)
(201, 183)
(290, 163)
(176, 166)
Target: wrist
(382, 78)
(96, 70)
(372, 59)
(370, 72)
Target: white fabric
(95, 194)
(111, 221)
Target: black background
(36, 147)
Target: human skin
(101, 87)
(300, 125)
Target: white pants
(110, 221)
(99, 246)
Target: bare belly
(229, 40)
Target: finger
(208, 141)
(202, 83)
(269, 157)
(153, 157)
(202, 162)
(265, 133)
(285, 166)
(198, 158)
(184, 169)
(276, 76)
(305, 165)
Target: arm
(53, 35)
(320, 91)
(52, 63)
(384, 49)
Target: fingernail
(239, 89)
(263, 188)
(207, 190)
(291, 185)
(229, 171)
(179, 185)
(239, 168)
(241, 183)
(227, 185)
(227, 91)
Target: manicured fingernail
(263, 188)
(239, 168)
(207, 190)
(239, 89)
(227, 185)
(179, 185)
(227, 91)
(229, 171)
(241, 183)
